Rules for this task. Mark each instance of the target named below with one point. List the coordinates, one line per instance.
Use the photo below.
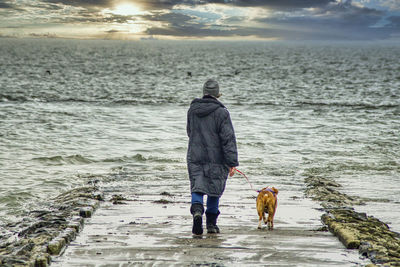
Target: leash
(246, 179)
(258, 191)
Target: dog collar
(268, 189)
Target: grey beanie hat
(211, 87)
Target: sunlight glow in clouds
(129, 10)
(124, 9)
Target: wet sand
(154, 229)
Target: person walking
(211, 155)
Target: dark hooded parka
(212, 146)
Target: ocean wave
(12, 98)
(137, 157)
(145, 101)
(61, 160)
(140, 158)
(250, 103)
(346, 104)
(79, 159)
(102, 101)
(40, 98)
(252, 160)
(253, 144)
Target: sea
(76, 110)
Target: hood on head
(204, 106)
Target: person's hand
(231, 171)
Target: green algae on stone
(45, 232)
(118, 199)
(355, 230)
(56, 245)
(325, 191)
(347, 235)
(162, 201)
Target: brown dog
(267, 203)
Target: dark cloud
(172, 18)
(184, 25)
(4, 4)
(89, 18)
(46, 6)
(343, 13)
(349, 12)
(83, 3)
(159, 4)
(341, 20)
(277, 4)
(177, 24)
(150, 4)
(181, 25)
(394, 23)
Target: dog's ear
(275, 190)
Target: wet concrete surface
(153, 228)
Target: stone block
(42, 260)
(55, 246)
(86, 212)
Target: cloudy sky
(202, 19)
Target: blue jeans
(212, 202)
